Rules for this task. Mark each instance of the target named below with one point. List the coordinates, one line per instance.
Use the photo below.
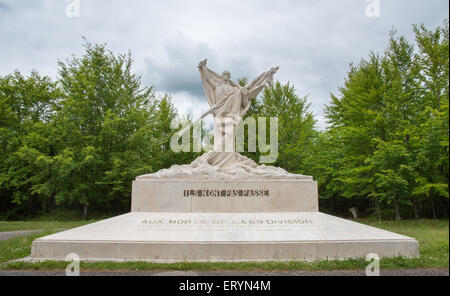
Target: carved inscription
(294, 221)
(226, 193)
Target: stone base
(184, 237)
(222, 196)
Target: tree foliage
(79, 141)
(388, 132)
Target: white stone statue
(229, 102)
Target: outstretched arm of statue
(202, 64)
(210, 76)
(258, 84)
(270, 73)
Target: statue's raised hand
(274, 70)
(203, 63)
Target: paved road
(4, 235)
(415, 272)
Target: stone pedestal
(236, 196)
(238, 212)
(183, 237)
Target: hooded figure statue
(229, 102)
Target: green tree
(26, 111)
(389, 126)
(104, 119)
(295, 124)
(431, 141)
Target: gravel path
(4, 235)
(414, 272)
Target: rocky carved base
(224, 166)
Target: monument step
(184, 237)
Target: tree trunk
(30, 207)
(44, 205)
(433, 210)
(85, 211)
(397, 210)
(416, 211)
(377, 206)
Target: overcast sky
(313, 41)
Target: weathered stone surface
(174, 237)
(224, 196)
(223, 166)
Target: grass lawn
(433, 237)
(45, 225)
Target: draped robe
(229, 104)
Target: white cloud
(313, 42)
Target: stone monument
(224, 207)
